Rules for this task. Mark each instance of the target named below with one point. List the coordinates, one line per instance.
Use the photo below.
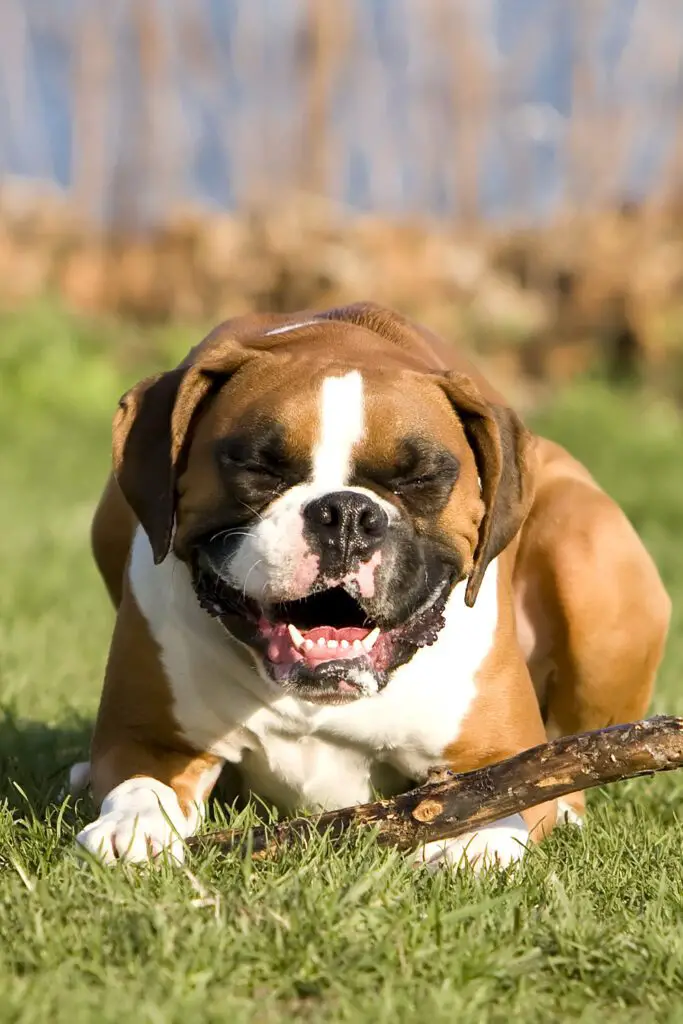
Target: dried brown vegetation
(548, 303)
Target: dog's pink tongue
(323, 643)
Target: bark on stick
(450, 804)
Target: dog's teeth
(322, 642)
(357, 645)
(333, 643)
(309, 645)
(345, 644)
(371, 639)
(296, 636)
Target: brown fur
(583, 613)
(135, 736)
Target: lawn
(590, 928)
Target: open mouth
(325, 647)
(327, 626)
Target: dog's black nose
(347, 522)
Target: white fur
(291, 752)
(301, 754)
(272, 562)
(138, 819)
(342, 423)
(501, 843)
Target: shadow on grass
(35, 758)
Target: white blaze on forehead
(342, 423)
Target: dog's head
(326, 485)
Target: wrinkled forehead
(334, 420)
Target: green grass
(590, 928)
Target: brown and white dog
(339, 559)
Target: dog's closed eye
(259, 452)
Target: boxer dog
(339, 559)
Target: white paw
(502, 843)
(139, 820)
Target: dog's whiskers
(229, 533)
(252, 510)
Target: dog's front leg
(150, 782)
(153, 801)
(504, 720)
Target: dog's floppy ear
(151, 430)
(503, 450)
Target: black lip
(321, 684)
(217, 597)
(318, 696)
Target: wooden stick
(450, 804)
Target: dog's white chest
(298, 754)
(312, 772)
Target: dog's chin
(328, 647)
(329, 683)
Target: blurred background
(508, 171)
